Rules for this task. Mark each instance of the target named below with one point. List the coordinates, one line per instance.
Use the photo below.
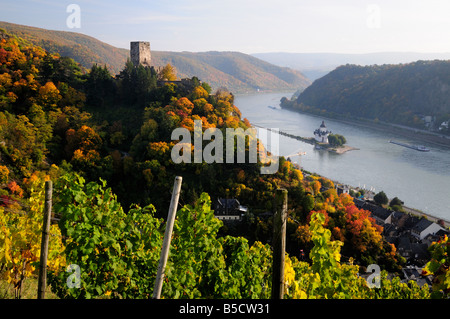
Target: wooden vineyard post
(167, 237)
(42, 283)
(279, 243)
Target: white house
(425, 227)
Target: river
(420, 179)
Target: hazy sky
(249, 26)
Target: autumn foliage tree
(168, 73)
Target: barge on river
(420, 148)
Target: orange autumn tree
(315, 185)
(354, 227)
(202, 107)
(83, 145)
(18, 74)
(185, 105)
(363, 232)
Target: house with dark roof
(419, 254)
(409, 223)
(359, 202)
(425, 227)
(415, 274)
(229, 209)
(391, 233)
(429, 239)
(398, 219)
(404, 246)
(342, 189)
(381, 215)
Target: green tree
(137, 84)
(336, 140)
(99, 86)
(381, 198)
(396, 204)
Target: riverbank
(434, 138)
(419, 213)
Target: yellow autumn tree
(199, 93)
(168, 73)
(49, 94)
(4, 174)
(20, 236)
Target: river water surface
(420, 179)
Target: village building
(381, 215)
(414, 273)
(424, 228)
(342, 189)
(411, 235)
(229, 209)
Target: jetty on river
(313, 141)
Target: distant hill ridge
(237, 71)
(316, 65)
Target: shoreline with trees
(408, 132)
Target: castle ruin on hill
(140, 53)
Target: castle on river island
(321, 134)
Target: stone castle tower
(140, 53)
(321, 134)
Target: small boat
(272, 107)
(419, 148)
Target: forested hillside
(106, 144)
(83, 49)
(401, 94)
(236, 71)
